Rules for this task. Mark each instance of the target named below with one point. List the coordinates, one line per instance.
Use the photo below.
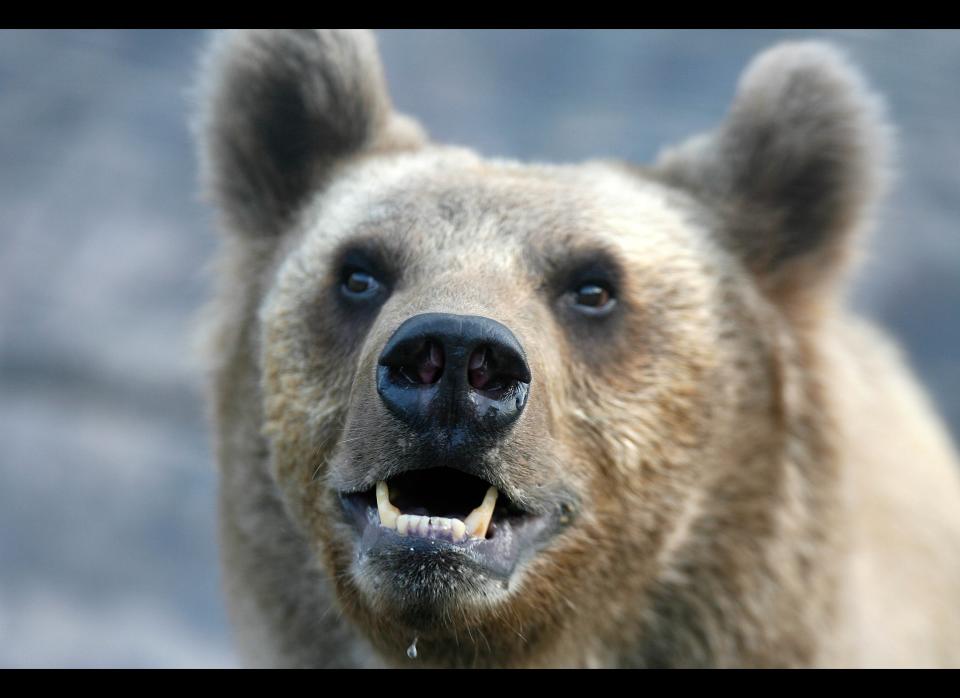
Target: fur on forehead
(510, 204)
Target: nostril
(430, 365)
(489, 372)
(425, 367)
(478, 371)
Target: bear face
(594, 387)
(517, 246)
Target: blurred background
(108, 552)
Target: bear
(473, 412)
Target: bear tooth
(388, 512)
(423, 526)
(475, 526)
(403, 524)
(413, 521)
(458, 530)
(478, 521)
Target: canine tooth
(388, 512)
(458, 530)
(478, 521)
(403, 524)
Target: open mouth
(446, 511)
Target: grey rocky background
(107, 528)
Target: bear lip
(513, 533)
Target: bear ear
(278, 109)
(794, 170)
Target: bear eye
(593, 299)
(592, 295)
(359, 284)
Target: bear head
(521, 412)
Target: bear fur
(748, 474)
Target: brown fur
(751, 476)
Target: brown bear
(476, 413)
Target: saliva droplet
(412, 649)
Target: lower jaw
(460, 610)
(448, 612)
(492, 558)
(475, 622)
(426, 582)
(435, 594)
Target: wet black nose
(459, 379)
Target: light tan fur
(751, 475)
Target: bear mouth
(445, 511)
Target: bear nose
(463, 375)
